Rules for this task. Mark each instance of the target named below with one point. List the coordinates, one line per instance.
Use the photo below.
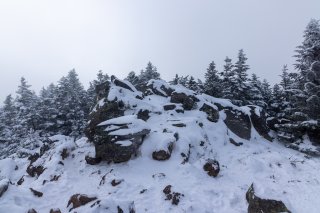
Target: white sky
(42, 40)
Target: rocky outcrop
(212, 167)
(187, 101)
(257, 204)
(259, 121)
(238, 122)
(212, 113)
(118, 139)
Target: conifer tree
(149, 73)
(212, 84)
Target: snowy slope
(277, 172)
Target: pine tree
(255, 92)
(26, 103)
(309, 51)
(239, 83)
(228, 77)
(212, 84)
(72, 105)
(132, 78)
(285, 78)
(175, 80)
(48, 110)
(149, 73)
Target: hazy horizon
(43, 40)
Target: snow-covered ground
(277, 172)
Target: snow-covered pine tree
(255, 92)
(192, 84)
(27, 114)
(309, 51)
(212, 83)
(149, 73)
(72, 105)
(175, 80)
(132, 78)
(240, 86)
(228, 77)
(48, 110)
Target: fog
(42, 40)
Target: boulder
(257, 204)
(32, 211)
(187, 101)
(4, 185)
(143, 114)
(212, 113)
(123, 84)
(169, 107)
(55, 211)
(116, 140)
(107, 110)
(35, 170)
(259, 121)
(212, 167)
(163, 154)
(36, 193)
(78, 200)
(159, 87)
(238, 122)
(92, 161)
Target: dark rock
(179, 125)
(21, 180)
(115, 182)
(173, 196)
(78, 200)
(143, 114)
(55, 178)
(33, 158)
(36, 193)
(257, 204)
(55, 211)
(259, 122)
(162, 155)
(164, 90)
(32, 211)
(45, 147)
(187, 102)
(35, 170)
(271, 123)
(234, 142)
(92, 161)
(120, 83)
(179, 110)
(212, 113)
(64, 154)
(212, 167)
(102, 90)
(108, 145)
(238, 122)
(143, 191)
(110, 109)
(169, 107)
(4, 185)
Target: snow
(124, 143)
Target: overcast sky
(42, 40)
